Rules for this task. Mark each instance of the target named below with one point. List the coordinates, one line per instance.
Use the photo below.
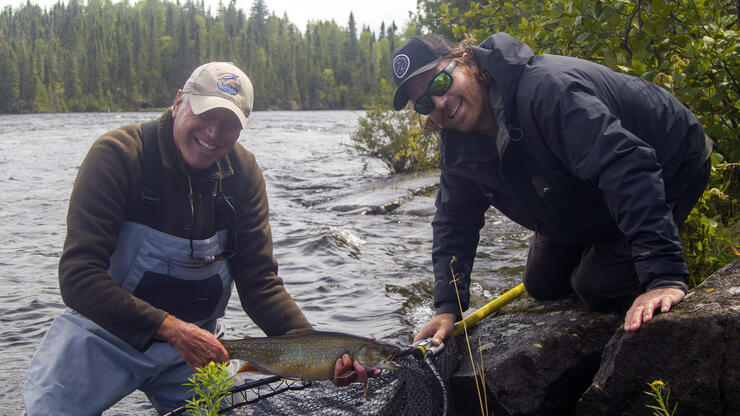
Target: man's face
(203, 139)
(461, 108)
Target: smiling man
(602, 166)
(164, 217)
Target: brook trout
(310, 355)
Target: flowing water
(361, 274)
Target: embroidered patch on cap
(401, 64)
(229, 83)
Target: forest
(111, 56)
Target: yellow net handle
(486, 310)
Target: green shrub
(711, 233)
(397, 139)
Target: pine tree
(9, 78)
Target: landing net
(419, 387)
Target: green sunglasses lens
(424, 105)
(438, 87)
(440, 84)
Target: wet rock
(556, 358)
(387, 208)
(694, 350)
(388, 195)
(538, 357)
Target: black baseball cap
(418, 55)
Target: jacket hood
(504, 58)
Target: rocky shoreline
(557, 358)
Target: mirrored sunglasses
(438, 87)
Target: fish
(309, 355)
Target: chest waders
(81, 369)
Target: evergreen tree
(9, 78)
(100, 55)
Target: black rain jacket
(583, 154)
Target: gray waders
(80, 369)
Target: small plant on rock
(660, 392)
(209, 387)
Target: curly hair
(466, 46)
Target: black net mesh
(417, 388)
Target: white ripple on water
(347, 238)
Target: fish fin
(364, 393)
(246, 336)
(249, 368)
(347, 370)
(388, 365)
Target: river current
(369, 275)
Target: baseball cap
(220, 85)
(418, 55)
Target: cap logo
(228, 83)
(401, 64)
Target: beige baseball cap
(220, 85)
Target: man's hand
(438, 328)
(644, 305)
(196, 346)
(360, 374)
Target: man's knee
(546, 287)
(167, 391)
(606, 278)
(549, 267)
(600, 295)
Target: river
(362, 274)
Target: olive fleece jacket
(107, 192)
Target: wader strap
(149, 198)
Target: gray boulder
(694, 350)
(539, 357)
